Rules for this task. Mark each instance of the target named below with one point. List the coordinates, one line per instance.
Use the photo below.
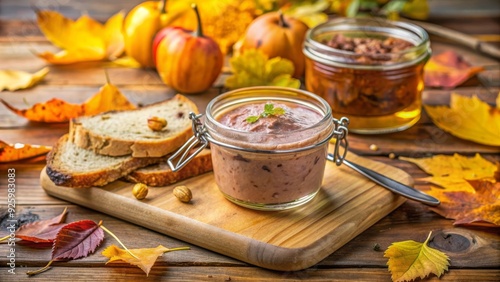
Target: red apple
(185, 60)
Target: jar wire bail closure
(198, 141)
(340, 133)
(201, 139)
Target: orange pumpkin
(278, 35)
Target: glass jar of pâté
(369, 70)
(269, 145)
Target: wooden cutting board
(288, 240)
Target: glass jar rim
(412, 33)
(231, 98)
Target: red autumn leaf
(77, 239)
(481, 208)
(448, 70)
(43, 231)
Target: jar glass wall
(369, 70)
(267, 170)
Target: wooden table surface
(474, 252)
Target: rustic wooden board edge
(238, 246)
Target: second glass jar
(351, 64)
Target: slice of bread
(161, 174)
(72, 166)
(123, 133)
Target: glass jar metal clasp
(340, 132)
(199, 141)
(192, 147)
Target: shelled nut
(183, 194)
(140, 191)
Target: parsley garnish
(269, 110)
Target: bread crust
(161, 175)
(75, 179)
(106, 145)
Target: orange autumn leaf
(82, 40)
(481, 207)
(54, 110)
(448, 70)
(109, 98)
(144, 258)
(468, 118)
(18, 151)
(470, 188)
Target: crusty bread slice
(72, 166)
(161, 174)
(123, 133)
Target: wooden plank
(346, 205)
(133, 236)
(28, 190)
(140, 94)
(467, 248)
(28, 180)
(418, 141)
(120, 272)
(413, 221)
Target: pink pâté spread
(271, 178)
(293, 118)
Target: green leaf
(252, 119)
(269, 110)
(409, 260)
(393, 6)
(353, 8)
(279, 111)
(416, 9)
(253, 68)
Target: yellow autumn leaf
(82, 40)
(18, 151)
(222, 20)
(109, 98)
(311, 13)
(124, 61)
(15, 80)
(416, 9)
(253, 68)
(409, 260)
(144, 258)
(468, 118)
(113, 36)
(457, 165)
(452, 172)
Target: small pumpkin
(185, 60)
(278, 35)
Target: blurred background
(483, 15)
